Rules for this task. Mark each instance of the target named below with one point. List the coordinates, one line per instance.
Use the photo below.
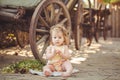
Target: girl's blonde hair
(60, 27)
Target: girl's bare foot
(47, 73)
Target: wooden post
(119, 19)
(113, 21)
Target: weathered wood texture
(114, 20)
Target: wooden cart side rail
(12, 13)
(27, 4)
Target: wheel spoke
(43, 39)
(63, 21)
(47, 16)
(43, 21)
(42, 31)
(57, 16)
(52, 14)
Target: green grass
(23, 66)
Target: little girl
(57, 52)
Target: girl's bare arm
(66, 54)
(49, 53)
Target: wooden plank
(7, 14)
(117, 18)
(119, 21)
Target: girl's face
(57, 38)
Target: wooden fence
(114, 21)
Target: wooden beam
(7, 14)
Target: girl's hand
(59, 53)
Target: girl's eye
(54, 37)
(59, 37)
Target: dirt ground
(100, 61)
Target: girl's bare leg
(67, 66)
(48, 69)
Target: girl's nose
(57, 39)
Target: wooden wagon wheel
(22, 38)
(47, 14)
(97, 29)
(21, 35)
(78, 27)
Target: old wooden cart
(41, 15)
